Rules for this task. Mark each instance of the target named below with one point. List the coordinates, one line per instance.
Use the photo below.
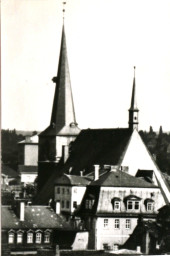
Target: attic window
(30, 238)
(47, 237)
(149, 204)
(116, 203)
(19, 238)
(38, 238)
(11, 238)
(132, 202)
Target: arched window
(149, 204)
(11, 237)
(116, 203)
(38, 238)
(29, 237)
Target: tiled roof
(9, 171)
(121, 179)
(98, 146)
(35, 217)
(73, 180)
(28, 169)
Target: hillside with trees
(157, 143)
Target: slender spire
(133, 111)
(133, 99)
(63, 113)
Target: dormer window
(149, 204)
(116, 203)
(47, 238)
(38, 237)
(29, 237)
(11, 237)
(132, 202)
(19, 238)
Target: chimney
(58, 207)
(81, 173)
(27, 138)
(65, 152)
(57, 250)
(22, 211)
(96, 172)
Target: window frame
(28, 237)
(19, 238)
(116, 203)
(105, 223)
(11, 235)
(38, 238)
(117, 224)
(150, 204)
(133, 204)
(128, 224)
(47, 234)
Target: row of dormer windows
(38, 237)
(130, 205)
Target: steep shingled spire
(63, 120)
(133, 111)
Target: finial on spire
(64, 3)
(134, 70)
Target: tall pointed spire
(133, 111)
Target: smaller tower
(133, 111)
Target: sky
(105, 40)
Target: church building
(63, 148)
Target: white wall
(138, 157)
(31, 154)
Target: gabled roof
(98, 146)
(28, 169)
(35, 217)
(121, 179)
(73, 180)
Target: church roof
(98, 146)
(63, 120)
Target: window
(58, 190)
(75, 204)
(30, 238)
(38, 238)
(68, 191)
(67, 204)
(128, 224)
(150, 206)
(106, 221)
(19, 238)
(133, 205)
(11, 238)
(89, 203)
(47, 238)
(136, 205)
(117, 223)
(117, 205)
(62, 204)
(63, 190)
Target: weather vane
(64, 3)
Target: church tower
(133, 111)
(54, 141)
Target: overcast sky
(105, 39)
